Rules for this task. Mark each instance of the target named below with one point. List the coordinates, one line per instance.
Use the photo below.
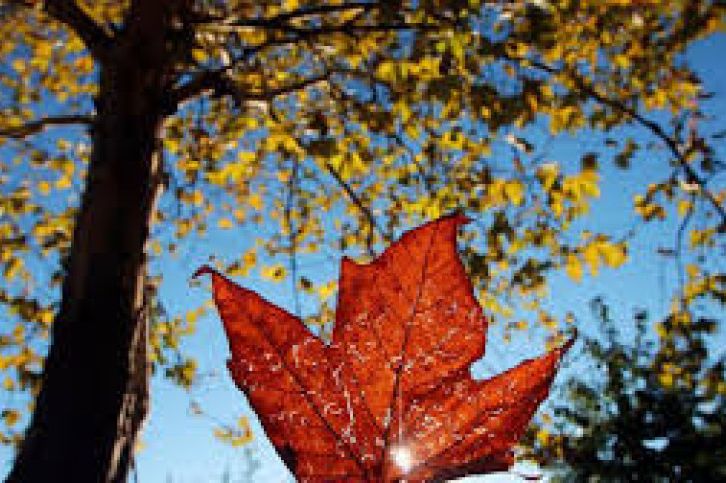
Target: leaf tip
(459, 217)
(204, 270)
(570, 342)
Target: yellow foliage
(327, 289)
(242, 267)
(255, 201)
(275, 273)
(44, 187)
(684, 207)
(514, 190)
(225, 223)
(547, 175)
(573, 267)
(10, 416)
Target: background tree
(656, 411)
(341, 122)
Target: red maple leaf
(391, 398)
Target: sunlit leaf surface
(392, 396)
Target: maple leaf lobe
(395, 379)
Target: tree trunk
(94, 395)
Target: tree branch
(655, 128)
(284, 17)
(34, 127)
(270, 94)
(372, 225)
(93, 35)
(348, 29)
(220, 84)
(322, 10)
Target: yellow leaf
(224, 223)
(199, 55)
(684, 206)
(547, 175)
(666, 379)
(64, 182)
(11, 416)
(591, 255)
(573, 267)
(19, 65)
(44, 188)
(197, 198)
(155, 247)
(514, 190)
(543, 436)
(326, 290)
(8, 384)
(622, 61)
(12, 269)
(183, 227)
(275, 273)
(613, 254)
(192, 315)
(255, 201)
(250, 257)
(692, 270)
(239, 215)
(46, 317)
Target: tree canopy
(341, 123)
(652, 413)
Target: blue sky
(180, 447)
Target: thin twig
(302, 12)
(292, 237)
(34, 127)
(372, 225)
(220, 85)
(679, 248)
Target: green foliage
(383, 113)
(652, 410)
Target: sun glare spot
(402, 457)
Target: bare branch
(34, 127)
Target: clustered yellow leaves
(243, 266)
(274, 273)
(595, 253)
(237, 435)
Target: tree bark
(94, 395)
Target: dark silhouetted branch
(219, 84)
(92, 34)
(285, 17)
(355, 199)
(34, 127)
